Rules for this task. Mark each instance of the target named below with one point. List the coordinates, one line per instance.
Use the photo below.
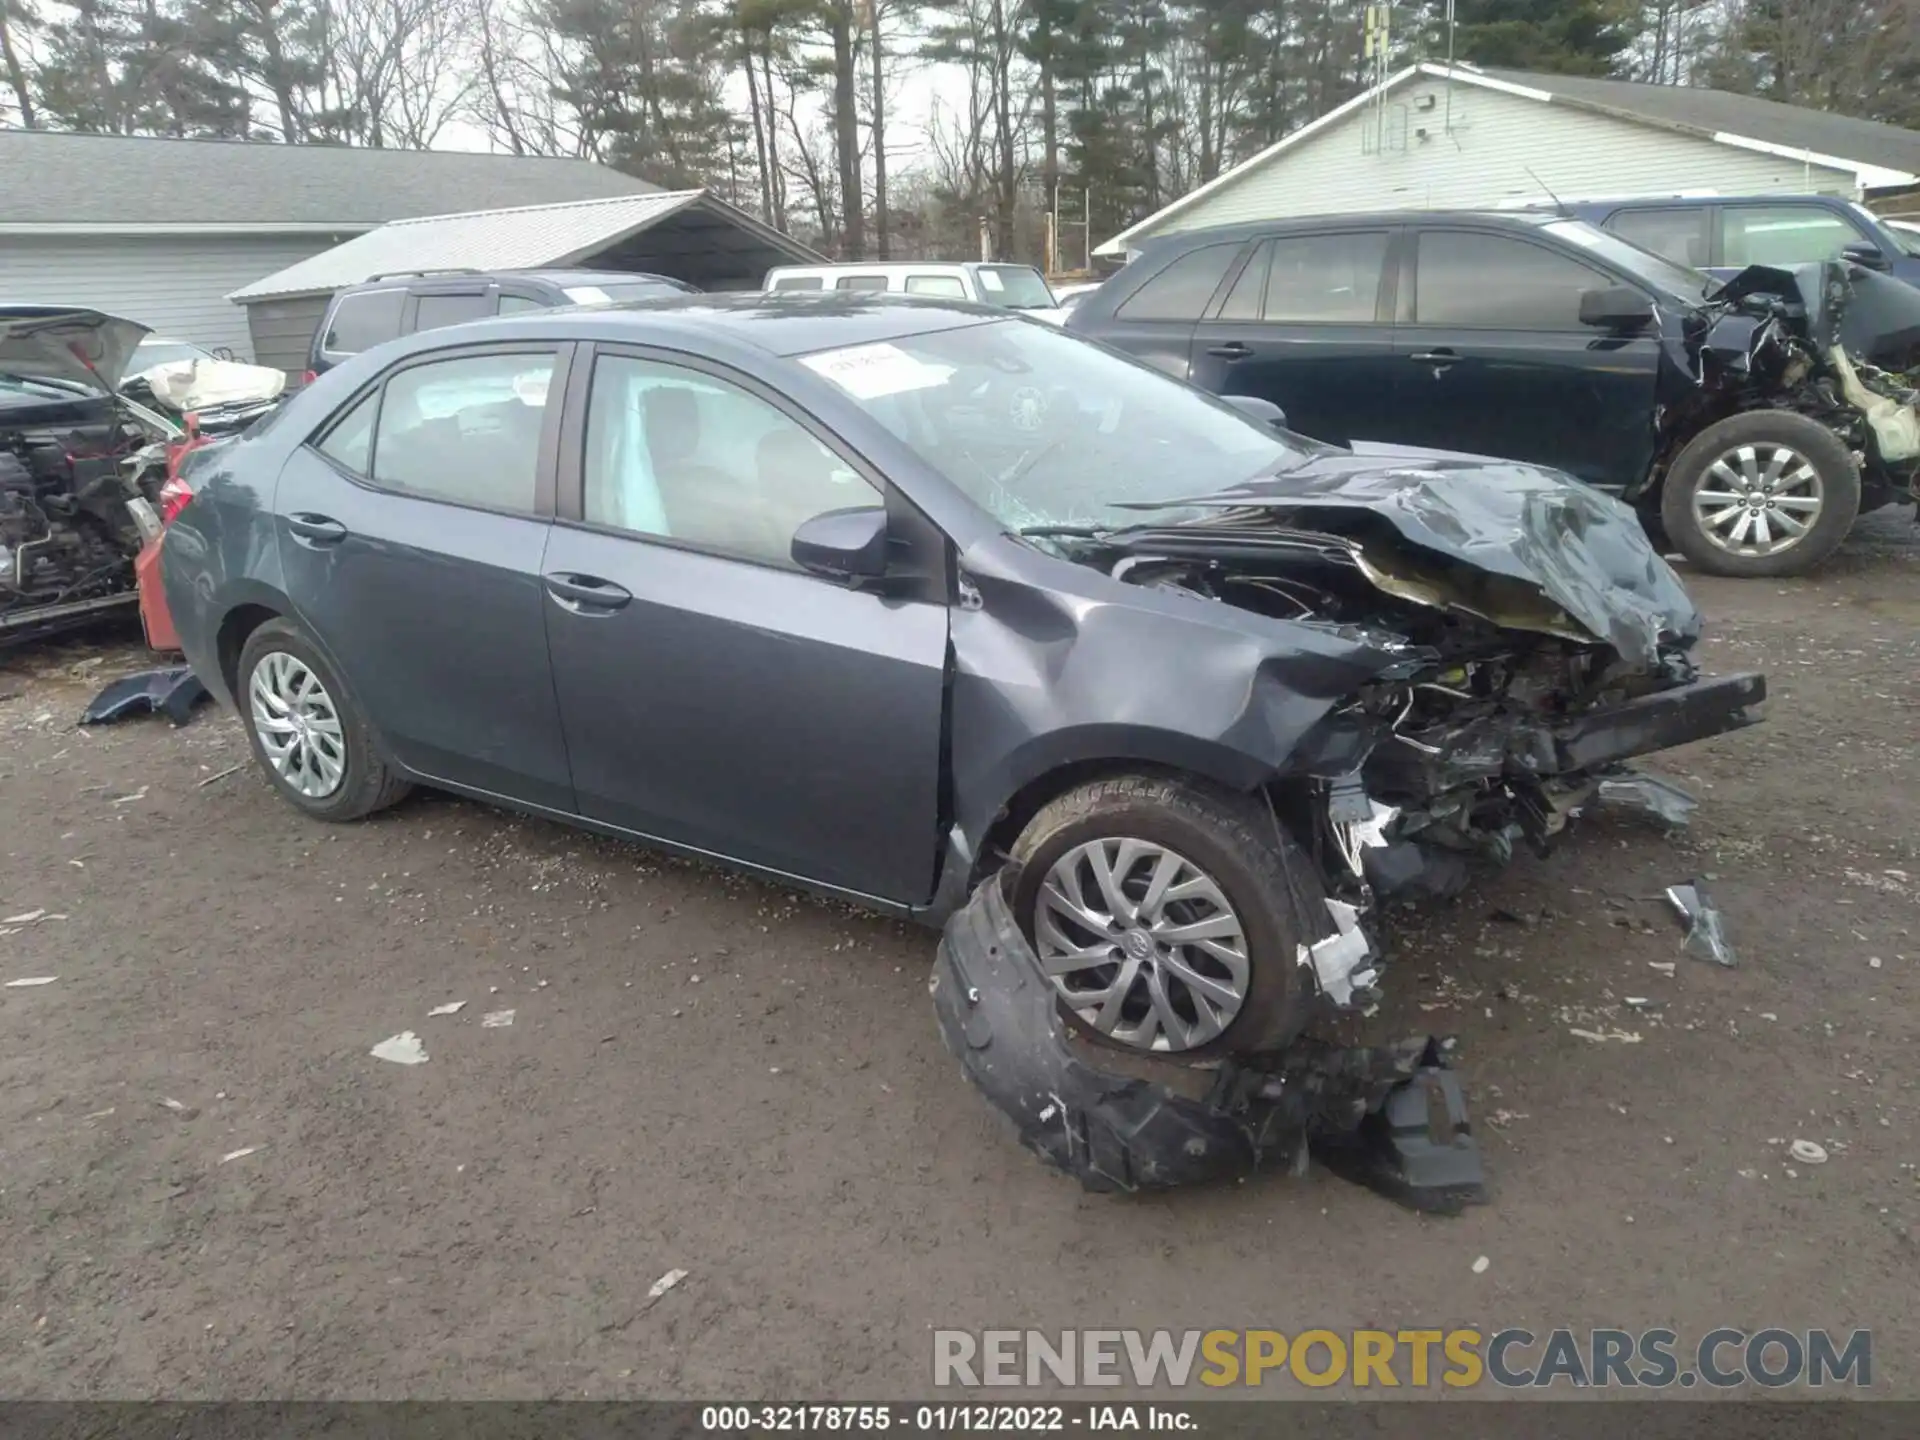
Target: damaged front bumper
(1392, 1118)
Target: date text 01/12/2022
(952, 1419)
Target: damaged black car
(1748, 422)
(885, 597)
(86, 450)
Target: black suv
(388, 306)
(1713, 408)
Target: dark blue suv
(1729, 233)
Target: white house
(1440, 137)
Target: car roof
(795, 323)
(400, 280)
(1362, 219)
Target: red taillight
(309, 377)
(174, 496)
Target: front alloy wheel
(297, 725)
(1759, 500)
(1142, 944)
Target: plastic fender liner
(1365, 1109)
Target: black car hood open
(1519, 546)
(60, 342)
(1875, 317)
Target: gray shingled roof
(1866, 142)
(55, 178)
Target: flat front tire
(306, 730)
(1169, 916)
(1763, 494)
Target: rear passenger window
(516, 304)
(1182, 290)
(359, 322)
(350, 441)
(466, 430)
(861, 282)
(433, 311)
(798, 282)
(1782, 234)
(1679, 233)
(948, 285)
(1325, 278)
(1493, 283)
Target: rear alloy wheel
(1169, 916)
(307, 731)
(1765, 494)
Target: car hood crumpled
(60, 342)
(1519, 546)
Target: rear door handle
(316, 529)
(1232, 350)
(585, 594)
(1441, 358)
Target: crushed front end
(1541, 644)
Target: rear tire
(1764, 494)
(308, 733)
(1238, 897)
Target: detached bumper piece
(1373, 1115)
(1659, 722)
(172, 691)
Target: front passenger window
(466, 430)
(685, 456)
(1489, 282)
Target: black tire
(1273, 888)
(1830, 459)
(366, 782)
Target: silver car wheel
(1758, 499)
(297, 725)
(1142, 944)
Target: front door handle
(1439, 359)
(1232, 350)
(313, 529)
(585, 594)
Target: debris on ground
(452, 1007)
(30, 917)
(402, 1049)
(1807, 1152)
(172, 690)
(1706, 927)
(221, 775)
(185, 1112)
(1600, 1037)
(30, 980)
(496, 1019)
(240, 1154)
(1635, 792)
(665, 1283)
(128, 799)
(1392, 1118)
(1480, 1265)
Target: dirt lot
(711, 1074)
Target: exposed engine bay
(84, 457)
(1540, 644)
(1836, 343)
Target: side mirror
(1615, 307)
(1254, 408)
(843, 544)
(1865, 254)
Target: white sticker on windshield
(991, 279)
(867, 372)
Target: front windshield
(1043, 429)
(1655, 270)
(1018, 287)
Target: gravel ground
(208, 1188)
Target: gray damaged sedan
(886, 597)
